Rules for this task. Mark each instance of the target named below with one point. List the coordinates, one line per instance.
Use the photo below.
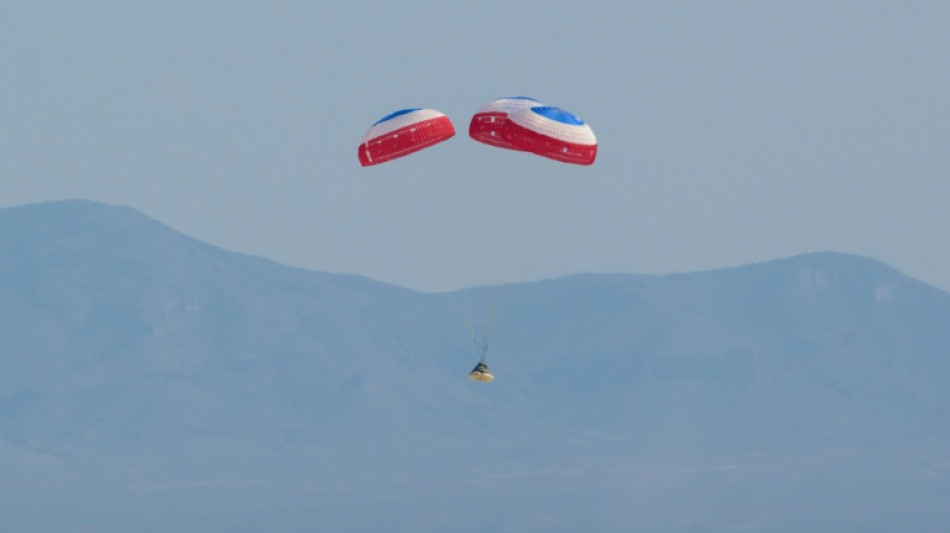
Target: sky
(728, 132)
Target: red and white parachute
(403, 132)
(514, 123)
(553, 133)
(489, 121)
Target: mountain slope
(178, 379)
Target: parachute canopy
(481, 373)
(403, 132)
(489, 121)
(551, 132)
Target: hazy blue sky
(730, 132)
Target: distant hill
(198, 389)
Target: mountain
(152, 382)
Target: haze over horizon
(93, 205)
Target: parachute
(402, 133)
(553, 133)
(488, 123)
(515, 123)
